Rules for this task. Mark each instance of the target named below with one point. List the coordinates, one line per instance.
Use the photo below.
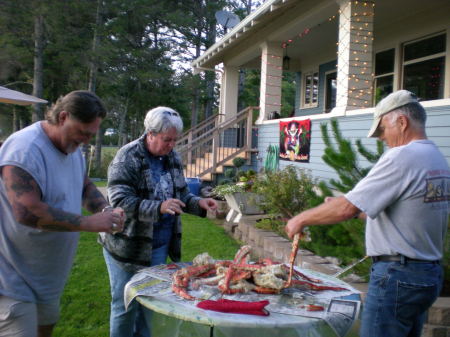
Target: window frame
(311, 85)
(421, 59)
(326, 91)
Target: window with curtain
(311, 90)
(424, 67)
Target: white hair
(413, 111)
(161, 119)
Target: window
(330, 91)
(311, 90)
(424, 67)
(384, 74)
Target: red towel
(235, 307)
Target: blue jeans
(131, 322)
(398, 298)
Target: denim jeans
(131, 322)
(398, 297)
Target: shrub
(286, 192)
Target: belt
(399, 258)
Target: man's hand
(294, 226)
(110, 220)
(208, 204)
(172, 206)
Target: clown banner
(295, 139)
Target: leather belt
(398, 258)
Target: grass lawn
(86, 299)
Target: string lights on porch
(354, 53)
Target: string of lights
(354, 52)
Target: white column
(355, 60)
(271, 75)
(229, 91)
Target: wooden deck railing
(211, 144)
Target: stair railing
(211, 144)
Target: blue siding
(352, 128)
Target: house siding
(352, 128)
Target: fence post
(189, 147)
(249, 128)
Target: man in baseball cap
(389, 103)
(406, 206)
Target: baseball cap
(391, 102)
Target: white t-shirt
(406, 197)
(34, 264)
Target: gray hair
(415, 113)
(161, 119)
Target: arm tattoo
(22, 212)
(22, 187)
(22, 182)
(93, 200)
(65, 218)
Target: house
(346, 56)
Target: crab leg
(312, 286)
(294, 251)
(181, 292)
(241, 254)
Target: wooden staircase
(214, 143)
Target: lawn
(86, 299)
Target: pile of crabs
(241, 276)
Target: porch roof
(255, 20)
(280, 20)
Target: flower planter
(243, 203)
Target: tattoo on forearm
(27, 217)
(93, 199)
(61, 216)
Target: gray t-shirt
(406, 198)
(35, 264)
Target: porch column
(355, 61)
(271, 74)
(229, 92)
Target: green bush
(286, 192)
(102, 172)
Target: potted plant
(236, 190)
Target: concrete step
(431, 330)
(439, 313)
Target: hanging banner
(295, 140)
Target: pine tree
(345, 239)
(344, 159)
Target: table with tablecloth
(289, 313)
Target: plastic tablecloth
(174, 316)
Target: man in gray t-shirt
(405, 199)
(43, 185)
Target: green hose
(272, 161)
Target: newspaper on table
(340, 308)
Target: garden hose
(272, 161)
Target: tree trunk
(122, 126)
(16, 119)
(196, 89)
(210, 76)
(38, 111)
(93, 69)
